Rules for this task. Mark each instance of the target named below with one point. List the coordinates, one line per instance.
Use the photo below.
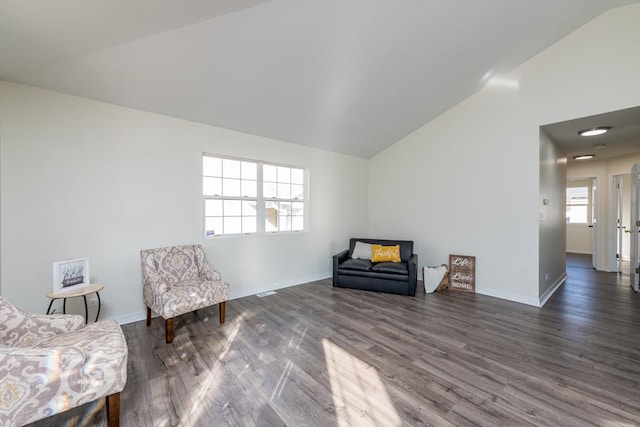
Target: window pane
(577, 214)
(249, 170)
(284, 174)
(297, 208)
(249, 224)
(283, 223)
(269, 173)
(577, 195)
(271, 224)
(284, 208)
(213, 226)
(269, 190)
(232, 225)
(271, 217)
(213, 207)
(249, 188)
(231, 187)
(297, 223)
(211, 166)
(231, 168)
(284, 191)
(232, 208)
(249, 208)
(297, 176)
(297, 191)
(211, 186)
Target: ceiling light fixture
(600, 146)
(584, 157)
(594, 131)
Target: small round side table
(81, 292)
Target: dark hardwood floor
(312, 355)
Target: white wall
(83, 178)
(552, 254)
(468, 182)
(604, 171)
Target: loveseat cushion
(378, 275)
(356, 264)
(390, 267)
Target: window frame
(260, 199)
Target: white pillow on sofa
(362, 251)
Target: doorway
(581, 218)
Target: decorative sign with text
(462, 273)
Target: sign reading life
(462, 273)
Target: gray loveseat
(391, 277)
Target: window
(283, 191)
(249, 196)
(577, 205)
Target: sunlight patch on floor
(199, 401)
(277, 390)
(358, 393)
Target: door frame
(634, 224)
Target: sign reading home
(462, 273)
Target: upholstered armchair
(177, 280)
(51, 363)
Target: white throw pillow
(432, 277)
(362, 250)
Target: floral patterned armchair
(51, 363)
(177, 280)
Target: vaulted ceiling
(350, 76)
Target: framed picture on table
(70, 274)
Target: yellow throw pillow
(381, 253)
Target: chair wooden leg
(169, 329)
(148, 316)
(223, 306)
(113, 410)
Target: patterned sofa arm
(209, 273)
(19, 328)
(61, 372)
(29, 388)
(151, 278)
(205, 270)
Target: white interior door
(594, 224)
(618, 189)
(621, 216)
(634, 264)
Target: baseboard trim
(131, 317)
(142, 315)
(554, 287)
(279, 285)
(519, 298)
(580, 252)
